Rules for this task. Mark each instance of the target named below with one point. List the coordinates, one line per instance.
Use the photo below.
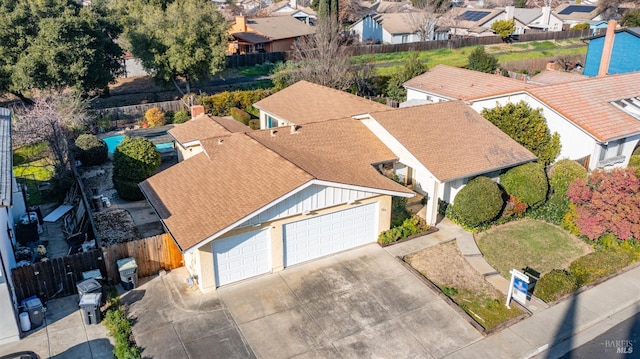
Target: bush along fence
(129, 114)
(58, 277)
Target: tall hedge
(221, 103)
(91, 150)
(527, 182)
(134, 160)
(562, 173)
(478, 202)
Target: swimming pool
(113, 142)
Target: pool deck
(157, 135)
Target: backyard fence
(58, 277)
(129, 114)
(252, 59)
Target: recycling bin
(33, 306)
(128, 272)
(90, 307)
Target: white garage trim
(241, 256)
(329, 233)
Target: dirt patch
(115, 226)
(446, 267)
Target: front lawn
(529, 243)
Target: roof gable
(451, 140)
(468, 84)
(305, 102)
(204, 127)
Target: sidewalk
(566, 325)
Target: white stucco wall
(413, 94)
(8, 320)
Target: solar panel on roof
(472, 15)
(576, 8)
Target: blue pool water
(114, 141)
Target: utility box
(33, 306)
(128, 272)
(90, 306)
(88, 286)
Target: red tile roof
(587, 104)
(452, 140)
(463, 84)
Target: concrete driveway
(360, 303)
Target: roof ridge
(254, 139)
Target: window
(271, 122)
(405, 39)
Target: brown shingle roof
(204, 127)
(452, 140)
(305, 102)
(340, 151)
(280, 27)
(556, 77)
(212, 190)
(587, 104)
(463, 84)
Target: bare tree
(52, 118)
(423, 23)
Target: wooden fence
(237, 60)
(128, 114)
(58, 277)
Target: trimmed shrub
(240, 115)
(254, 124)
(634, 163)
(409, 227)
(527, 182)
(134, 160)
(91, 150)
(181, 116)
(480, 201)
(597, 265)
(555, 285)
(562, 173)
(221, 103)
(154, 117)
(480, 60)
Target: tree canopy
(411, 69)
(184, 40)
(479, 60)
(528, 127)
(504, 28)
(631, 18)
(134, 160)
(54, 44)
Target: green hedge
(91, 150)
(527, 182)
(181, 116)
(221, 103)
(562, 173)
(128, 189)
(478, 202)
(119, 327)
(555, 285)
(409, 227)
(240, 115)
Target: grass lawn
(536, 244)
(31, 167)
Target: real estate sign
(518, 287)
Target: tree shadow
(93, 349)
(562, 340)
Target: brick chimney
(197, 110)
(241, 23)
(551, 66)
(605, 60)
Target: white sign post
(518, 287)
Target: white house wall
(309, 199)
(576, 143)
(422, 96)
(8, 324)
(263, 120)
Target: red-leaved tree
(609, 202)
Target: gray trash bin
(128, 272)
(88, 286)
(90, 306)
(33, 306)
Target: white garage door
(242, 256)
(330, 233)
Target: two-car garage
(249, 254)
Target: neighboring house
(436, 85)
(256, 203)
(573, 14)
(268, 34)
(621, 52)
(188, 135)
(552, 77)
(440, 147)
(598, 119)
(533, 19)
(469, 22)
(395, 28)
(13, 206)
(320, 103)
(291, 8)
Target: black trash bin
(33, 305)
(90, 306)
(128, 269)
